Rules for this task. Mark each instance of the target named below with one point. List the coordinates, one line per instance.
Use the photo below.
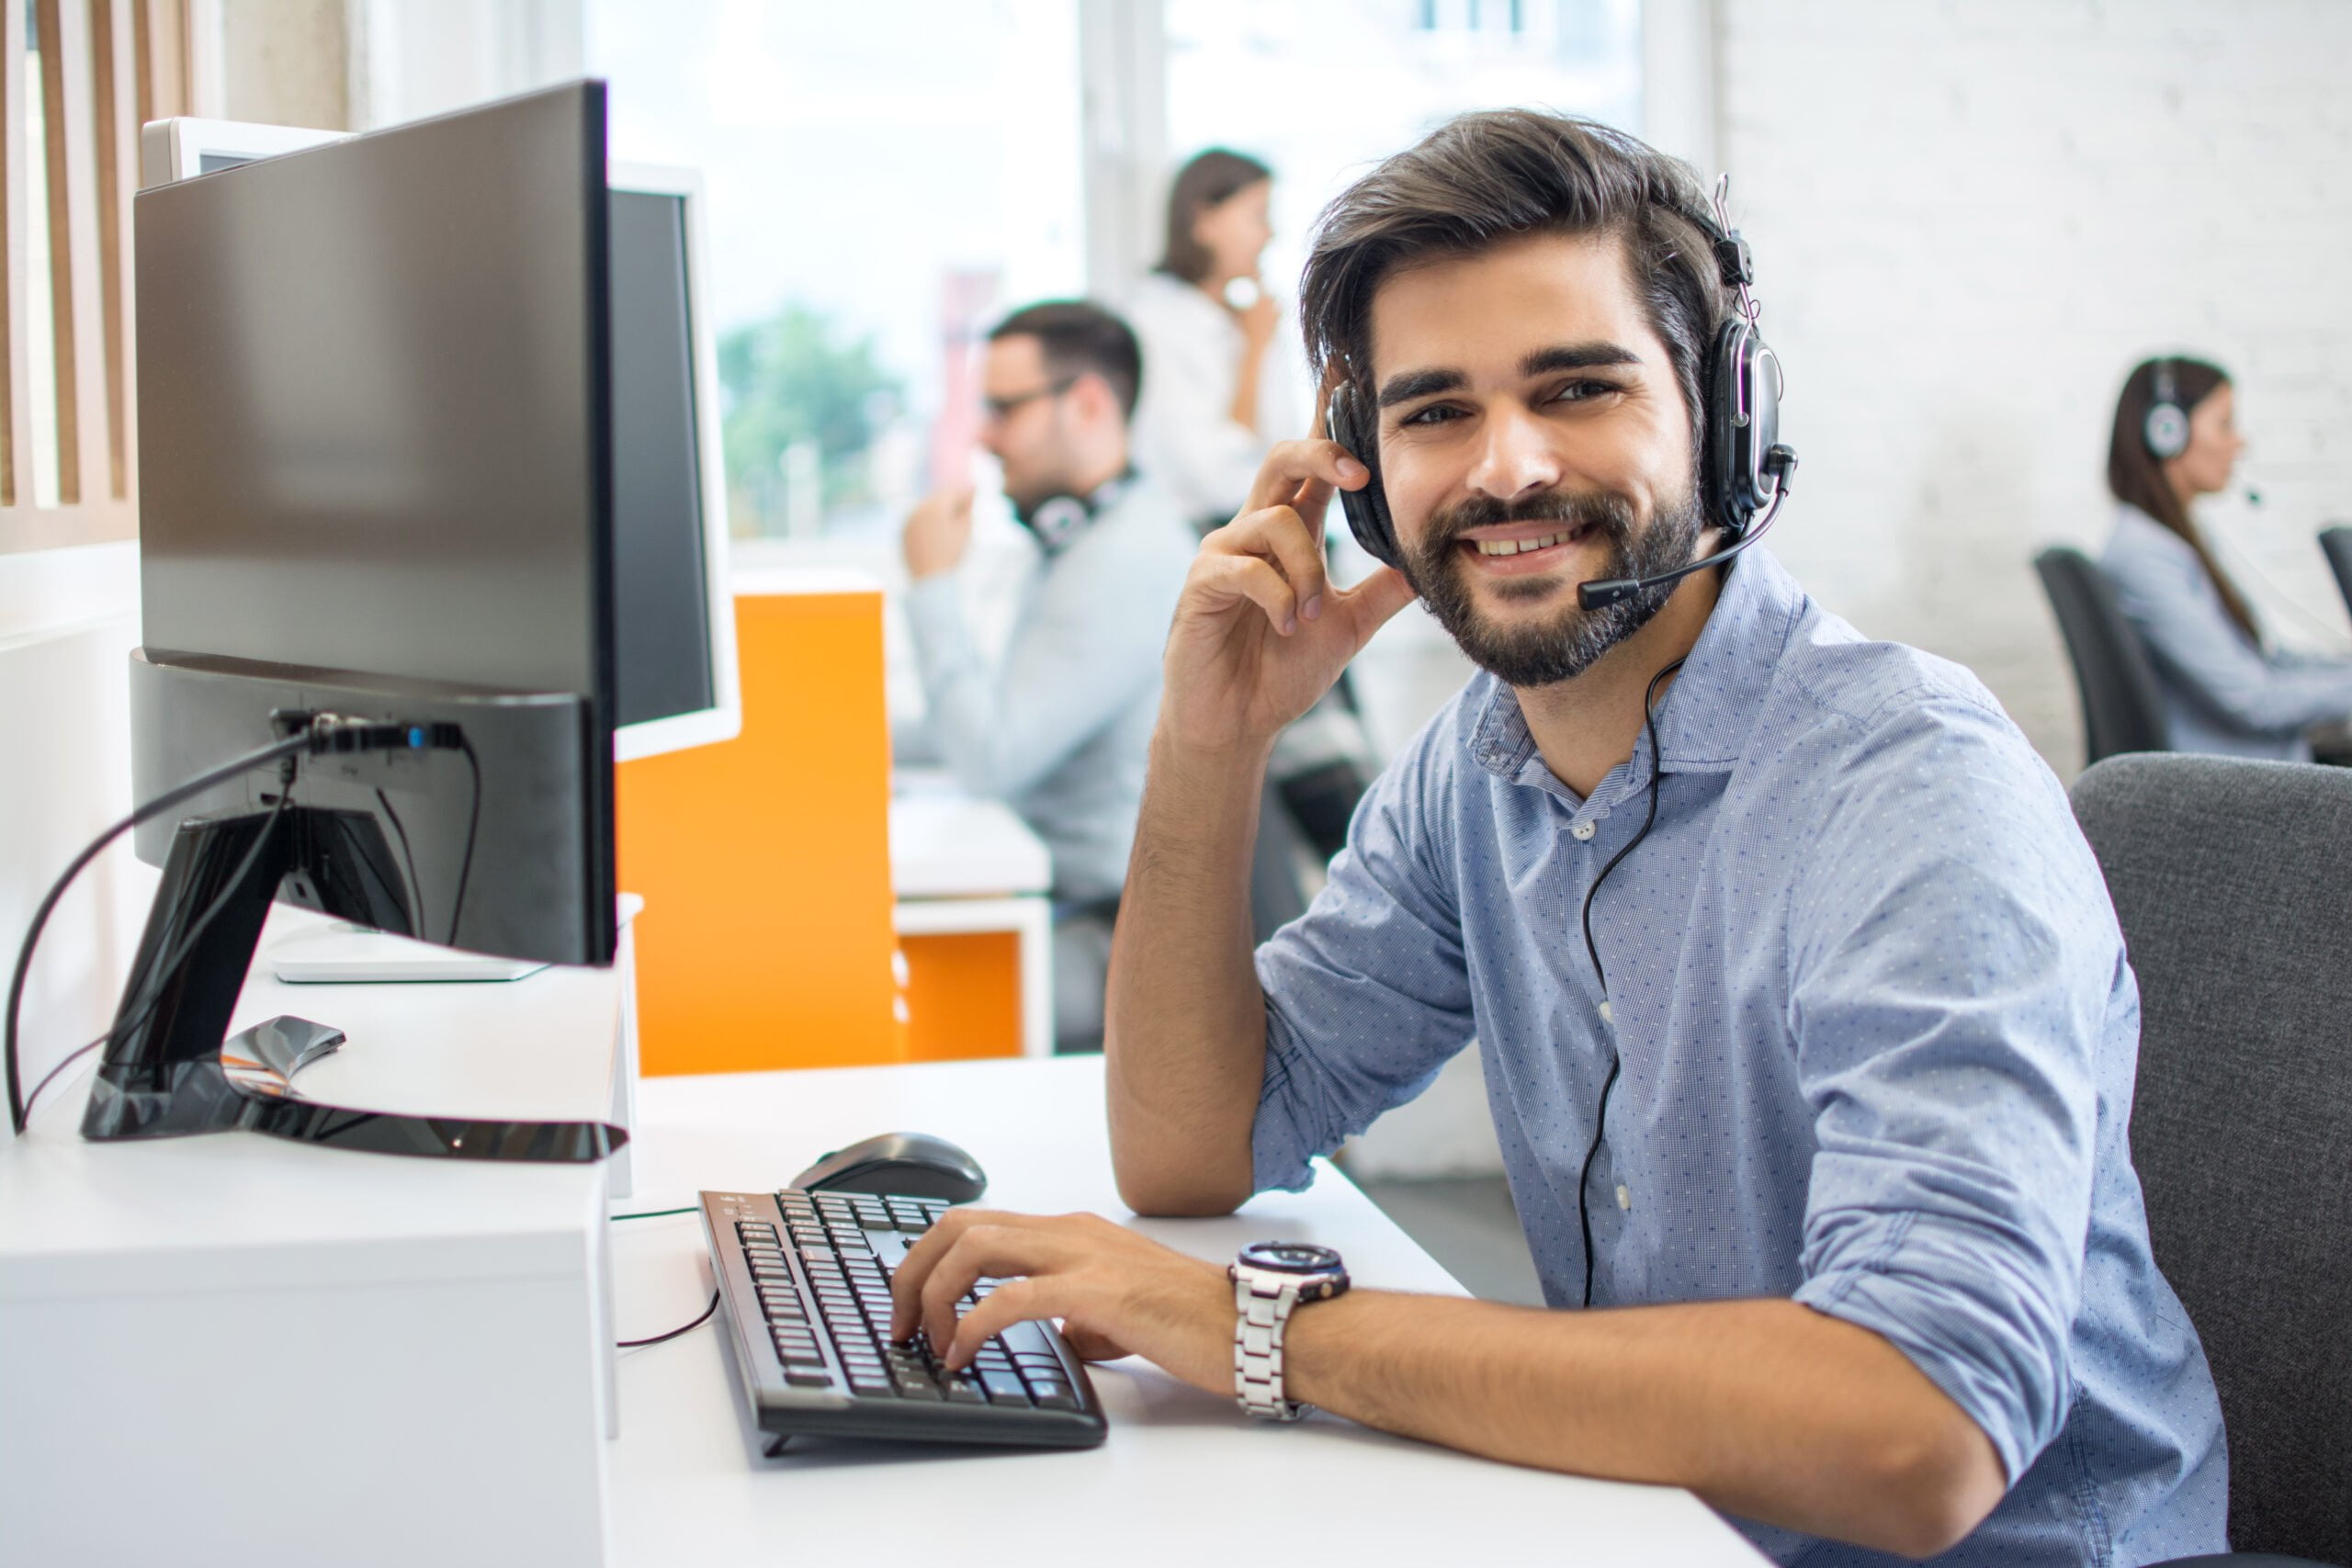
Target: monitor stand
(168, 1073)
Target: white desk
(959, 866)
(1186, 1477)
(230, 1350)
(244, 1348)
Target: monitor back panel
(371, 405)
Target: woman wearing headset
(1218, 390)
(2175, 440)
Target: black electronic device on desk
(805, 1277)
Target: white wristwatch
(1268, 1279)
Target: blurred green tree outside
(791, 380)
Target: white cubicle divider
(961, 867)
(230, 1349)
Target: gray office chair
(2230, 878)
(1277, 885)
(2122, 710)
(2337, 542)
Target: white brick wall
(1971, 216)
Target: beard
(1564, 646)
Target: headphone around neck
(1745, 468)
(1058, 519)
(2166, 429)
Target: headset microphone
(1780, 462)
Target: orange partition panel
(765, 860)
(963, 995)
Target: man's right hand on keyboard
(1117, 1294)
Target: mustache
(1612, 514)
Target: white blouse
(1192, 358)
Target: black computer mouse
(914, 1164)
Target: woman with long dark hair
(2176, 439)
(1217, 388)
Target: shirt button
(1582, 830)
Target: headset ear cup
(2166, 431)
(1367, 509)
(1744, 417)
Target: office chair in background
(2228, 879)
(2336, 541)
(2121, 708)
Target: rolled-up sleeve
(1367, 995)
(1955, 958)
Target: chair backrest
(2232, 881)
(1278, 893)
(2123, 709)
(2337, 542)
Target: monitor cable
(137, 1010)
(1592, 949)
(313, 735)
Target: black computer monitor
(375, 472)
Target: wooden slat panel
(76, 252)
(108, 64)
(160, 29)
(117, 150)
(15, 361)
(56, 139)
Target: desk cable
(656, 1339)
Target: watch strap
(1262, 1304)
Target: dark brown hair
(1075, 337)
(2137, 475)
(1486, 178)
(1211, 179)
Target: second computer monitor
(673, 612)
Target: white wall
(68, 620)
(1970, 219)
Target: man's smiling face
(1532, 437)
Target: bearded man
(1807, 1025)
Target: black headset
(1058, 519)
(2165, 429)
(1745, 468)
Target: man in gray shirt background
(1057, 728)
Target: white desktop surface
(947, 844)
(171, 1311)
(1184, 1477)
(536, 1048)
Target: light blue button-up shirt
(1878, 1040)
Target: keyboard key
(1060, 1397)
(1004, 1388)
(808, 1377)
(963, 1389)
(1027, 1336)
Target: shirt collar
(1705, 716)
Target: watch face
(1290, 1257)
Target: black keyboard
(805, 1278)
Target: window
(882, 180)
(1320, 89)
